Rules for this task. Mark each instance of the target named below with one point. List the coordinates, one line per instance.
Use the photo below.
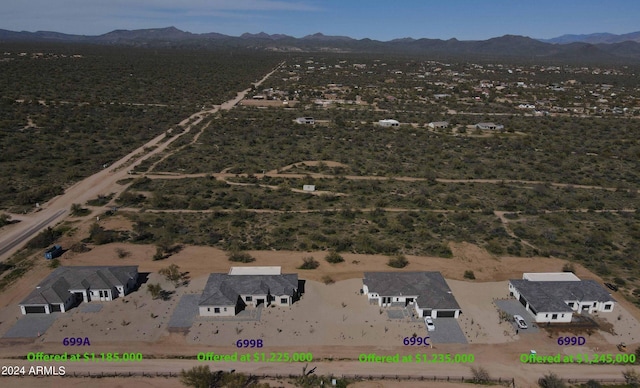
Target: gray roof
(430, 288)
(224, 289)
(56, 287)
(551, 296)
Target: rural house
(67, 286)
(438, 124)
(428, 292)
(228, 294)
(554, 297)
(489, 126)
(388, 123)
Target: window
(571, 304)
(208, 308)
(216, 310)
(225, 309)
(284, 300)
(607, 307)
(562, 315)
(248, 298)
(554, 316)
(546, 315)
(595, 304)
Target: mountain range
(593, 48)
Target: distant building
(228, 294)
(388, 123)
(67, 286)
(438, 124)
(489, 126)
(554, 297)
(309, 188)
(305, 120)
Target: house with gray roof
(228, 294)
(67, 286)
(427, 292)
(555, 301)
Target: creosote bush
(334, 257)
(398, 262)
(309, 263)
(240, 257)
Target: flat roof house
(305, 120)
(66, 286)
(388, 123)
(428, 292)
(228, 294)
(489, 126)
(438, 124)
(549, 299)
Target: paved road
(21, 235)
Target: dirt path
(103, 182)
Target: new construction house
(67, 286)
(228, 294)
(427, 292)
(555, 297)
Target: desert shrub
(631, 377)
(619, 281)
(551, 381)
(309, 263)
(79, 247)
(568, 267)
(399, 261)
(240, 257)
(44, 238)
(480, 375)
(468, 274)
(122, 253)
(326, 279)
(55, 263)
(334, 257)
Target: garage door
(446, 314)
(34, 309)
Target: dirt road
(103, 182)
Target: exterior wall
(590, 306)
(549, 317)
(210, 311)
(107, 295)
(278, 300)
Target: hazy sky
(381, 20)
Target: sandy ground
(318, 323)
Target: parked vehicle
(53, 252)
(429, 322)
(520, 321)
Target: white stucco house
(438, 124)
(67, 286)
(228, 294)
(489, 126)
(427, 292)
(388, 123)
(555, 297)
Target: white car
(429, 322)
(520, 321)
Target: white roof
(550, 277)
(389, 121)
(275, 270)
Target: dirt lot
(318, 323)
